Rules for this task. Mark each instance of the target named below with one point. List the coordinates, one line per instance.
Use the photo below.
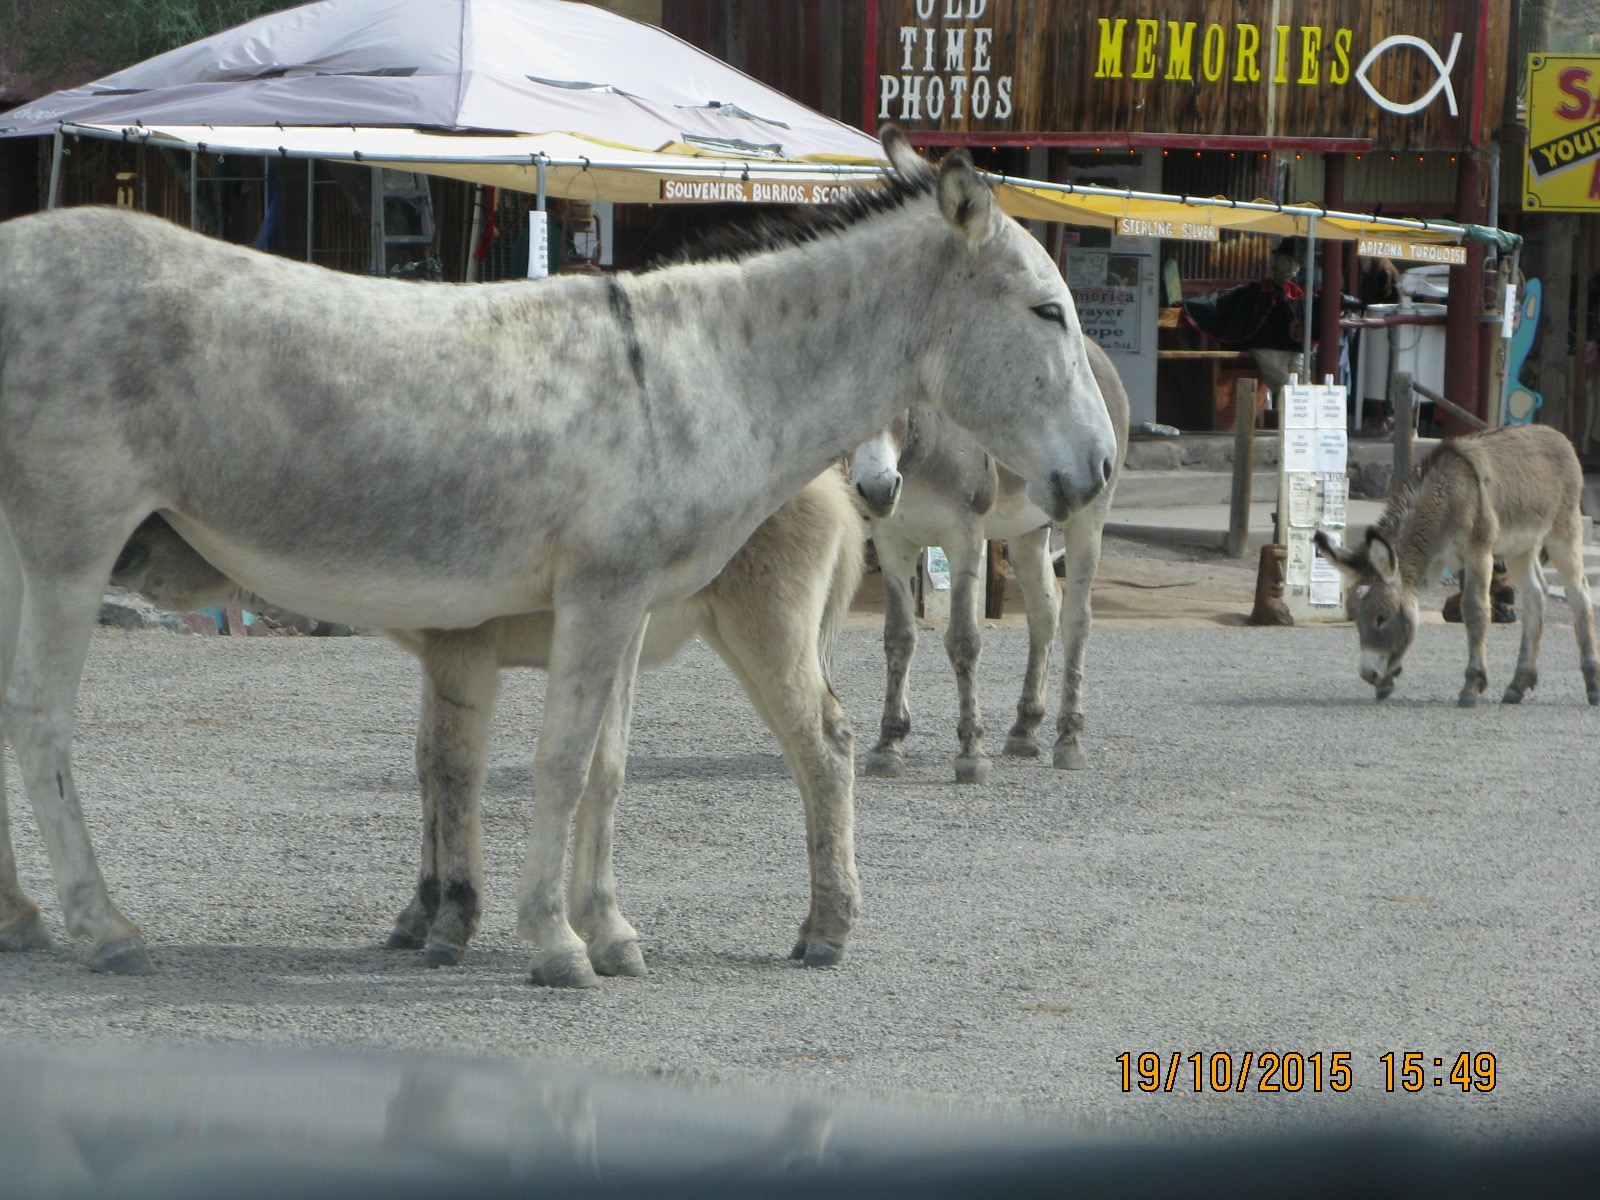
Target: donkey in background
(393, 455)
(925, 482)
(771, 615)
(1510, 493)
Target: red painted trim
(869, 70)
(1128, 141)
(1475, 134)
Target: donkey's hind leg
(897, 559)
(613, 944)
(1030, 558)
(1566, 553)
(20, 925)
(1475, 615)
(460, 681)
(963, 642)
(60, 598)
(1524, 571)
(772, 648)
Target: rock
(1370, 481)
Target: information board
(1313, 494)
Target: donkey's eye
(1380, 621)
(1052, 312)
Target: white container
(1421, 351)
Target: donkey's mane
(797, 225)
(1404, 497)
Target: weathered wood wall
(1208, 68)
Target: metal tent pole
(311, 209)
(194, 183)
(56, 153)
(1311, 282)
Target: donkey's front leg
(460, 680)
(613, 944)
(1030, 558)
(1080, 560)
(20, 925)
(963, 642)
(897, 559)
(1524, 570)
(594, 648)
(1475, 615)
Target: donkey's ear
(907, 163)
(965, 197)
(1352, 564)
(1382, 557)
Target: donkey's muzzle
(1068, 496)
(880, 501)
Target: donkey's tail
(849, 564)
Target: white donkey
(926, 482)
(406, 457)
(771, 614)
(1512, 494)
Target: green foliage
(1574, 27)
(84, 39)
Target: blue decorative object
(1520, 403)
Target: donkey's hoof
(885, 764)
(1022, 745)
(820, 954)
(619, 958)
(125, 956)
(1594, 698)
(403, 939)
(1069, 756)
(31, 935)
(972, 770)
(1512, 696)
(1467, 699)
(1384, 692)
(443, 954)
(569, 969)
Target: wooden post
(1402, 401)
(994, 582)
(1244, 466)
(1501, 346)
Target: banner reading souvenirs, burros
(1563, 166)
(1407, 74)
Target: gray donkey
(385, 454)
(926, 482)
(1511, 493)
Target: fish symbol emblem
(1442, 84)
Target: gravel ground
(1261, 859)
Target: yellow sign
(1562, 171)
(1185, 231)
(1426, 252)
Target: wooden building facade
(1338, 102)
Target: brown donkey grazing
(1511, 493)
